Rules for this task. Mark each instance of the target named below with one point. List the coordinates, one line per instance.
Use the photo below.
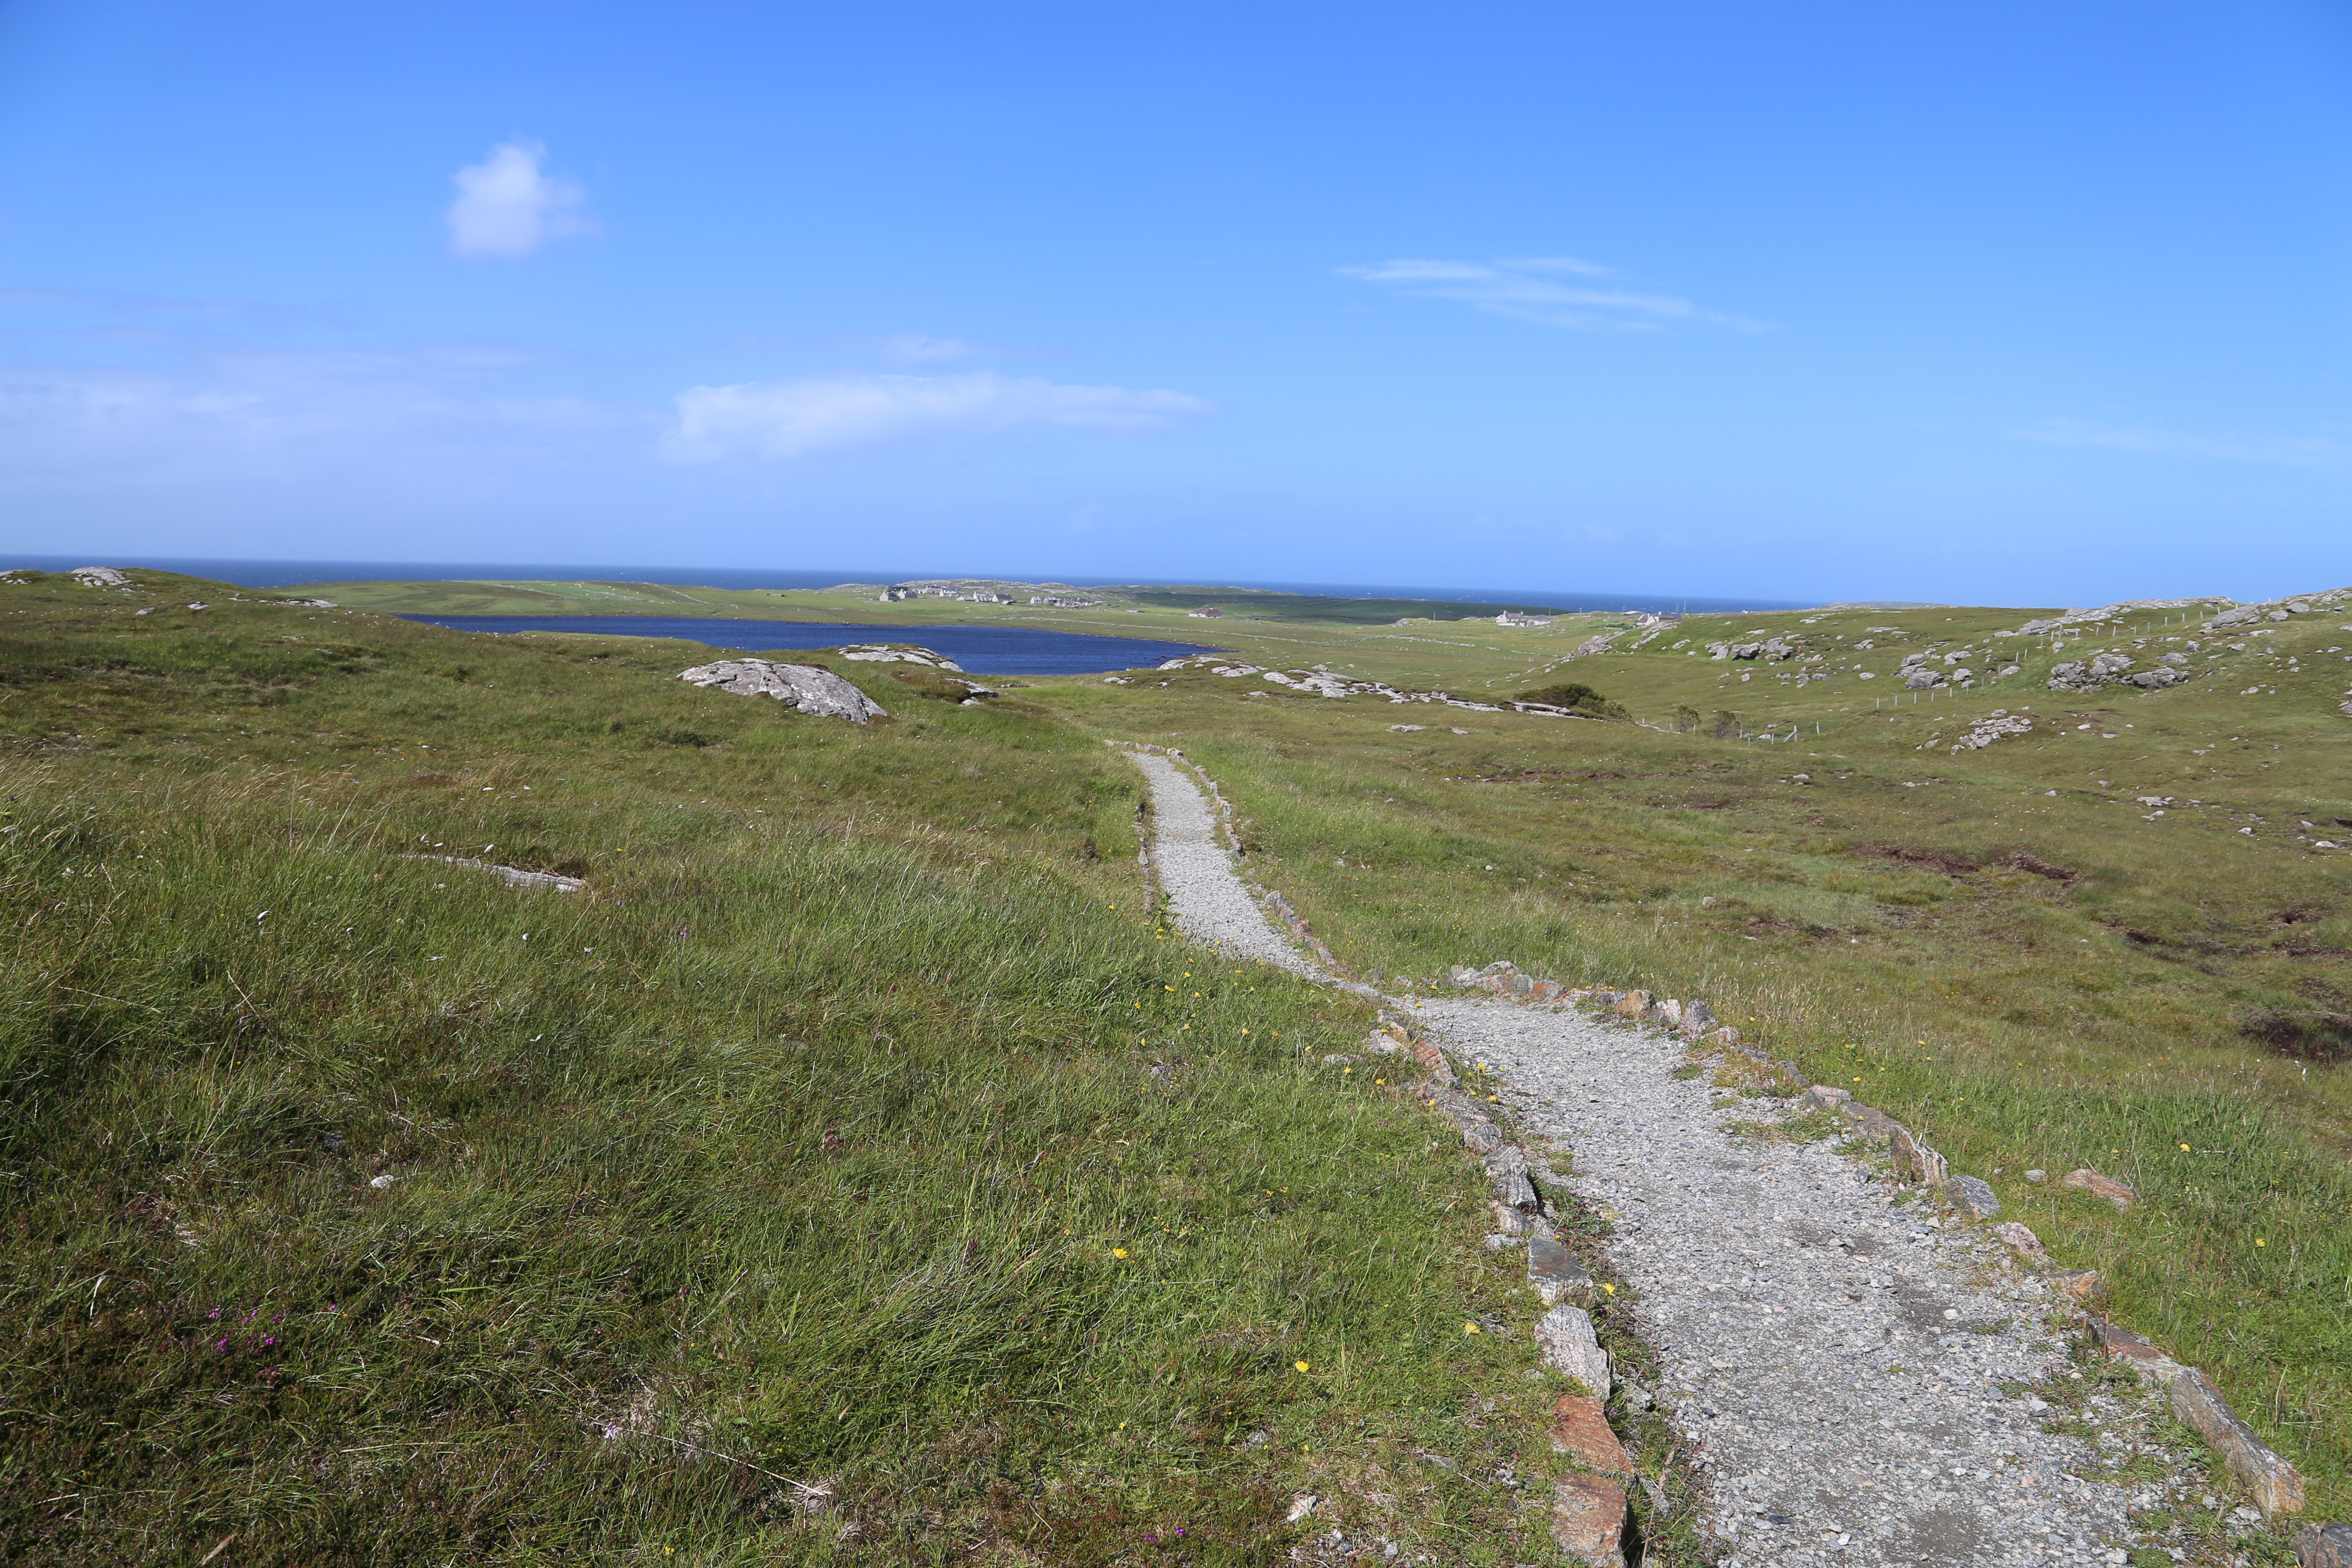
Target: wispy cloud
(2295, 450)
(508, 206)
(914, 348)
(1538, 289)
(791, 418)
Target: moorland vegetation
(858, 1171)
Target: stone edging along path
(1852, 1365)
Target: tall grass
(2022, 1022)
(854, 1173)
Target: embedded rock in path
(2117, 1192)
(817, 692)
(1914, 1162)
(2023, 1239)
(2324, 1546)
(1974, 1195)
(1588, 1521)
(1555, 1273)
(1570, 1346)
(1580, 1428)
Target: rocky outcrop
(101, 576)
(2293, 605)
(1768, 648)
(1321, 682)
(2106, 613)
(805, 688)
(898, 653)
(2118, 668)
(1986, 731)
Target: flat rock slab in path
(1837, 1355)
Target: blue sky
(2003, 302)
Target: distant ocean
(290, 574)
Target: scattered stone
(2117, 1192)
(2085, 1285)
(2037, 1176)
(2023, 1240)
(1697, 1019)
(380, 1183)
(1985, 732)
(1570, 1346)
(1914, 1162)
(1300, 1507)
(512, 875)
(1824, 1097)
(817, 692)
(1588, 1521)
(2324, 1546)
(1974, 1195)
(1555, 1273)
(2277, 1486)
(1580, 1428)
(1508, 1168)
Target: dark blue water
(295, 574)
(983, 650)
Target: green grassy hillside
(859, 1131)
(852, 1172)
(2011, 947)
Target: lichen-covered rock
(898, 653)
(805, 687)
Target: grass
(926, 937)
(854, 1173)
(2001, 947)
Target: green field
(859, 1131)
(854, 1173)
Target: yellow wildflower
(1300, 1364)
(1119, 1252)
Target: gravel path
(1211, 905)
(1835, 1356)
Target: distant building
(1206, 612)
(1513, 618)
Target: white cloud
(789, 418)
(1530, 289)
(2300, 451)
(508, 207)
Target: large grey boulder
(817, 692)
